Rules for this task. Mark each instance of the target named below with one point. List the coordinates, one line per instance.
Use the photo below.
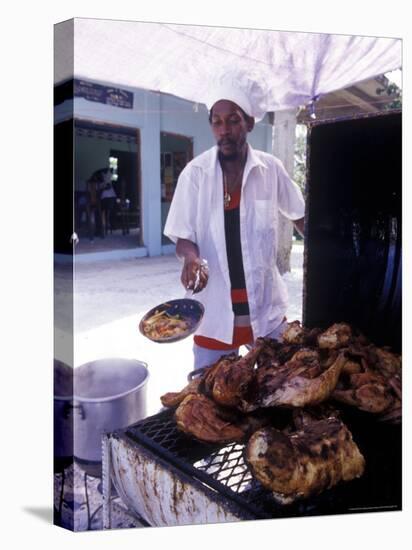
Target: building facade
(144, 138)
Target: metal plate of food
(172, 321)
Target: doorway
(124, 165)
(107, 187)
(175, 152)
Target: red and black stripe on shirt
(242, 331)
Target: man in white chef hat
(223, 219)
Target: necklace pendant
(226, 199)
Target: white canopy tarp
(183, 60)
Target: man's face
(230, 128)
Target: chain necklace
(227, 197)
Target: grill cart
(352, 273)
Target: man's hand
(195, 272)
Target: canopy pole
(283, 147)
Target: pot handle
(197, 372)
(68, 408)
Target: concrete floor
(110, 297)
(112, 241)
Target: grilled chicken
(225, 382)
(203, 419)
(277, 352)
(387, 362)
(365, 390)
(338, 363)
(336, 336)
(306, 462)
(306, 379)
(303, 417)
(200, 417)
(173, 399)
(296, 334)
(371, 381)
(210, 373)
(233, 379)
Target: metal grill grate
(224, 469)
(221, 468)
(228, 467)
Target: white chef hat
(240, 88)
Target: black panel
(63, 187)
(353, 239)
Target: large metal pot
(109, 394)
(63, 417)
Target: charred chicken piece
(202, 383)
(389, 365)
(303, 417)
(387, 362)
(306, 462)
(336, 336)
(366, 391)
(307, 379)
(173, 399)
(200, 417)
(371, 381)
(210, 373)
(203, 419)
(232, 379)
(274, 351)
(296, 334)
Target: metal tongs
(203, 266)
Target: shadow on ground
(43, 513)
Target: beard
(235, 154)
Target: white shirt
(197, 214)
(108, 193)
(107, 187)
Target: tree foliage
(299, 175)
(393, 91)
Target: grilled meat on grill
(232, 379)
(371, 381)
(306, 462)
(366, 391)
(226, 381)
(306, 379)
(387, 362)
(296, 334)
(338, 363)
(274, 351)
(336, 336)
(173, 399)
(306, 416)
(210, 373)
(199, 416)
